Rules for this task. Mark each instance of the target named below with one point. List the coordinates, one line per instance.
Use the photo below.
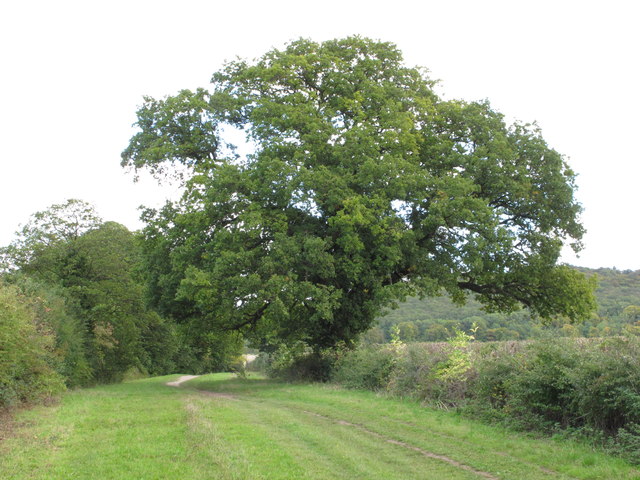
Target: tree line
(434, 319)
(75, 310)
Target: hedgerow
(582, 387)
(27, 358)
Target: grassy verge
(262, 429)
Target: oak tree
(355, 186)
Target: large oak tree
(360, 187)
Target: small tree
(58, 224)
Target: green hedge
(26, 352)
(584, 387)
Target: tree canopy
(81, 279)
(59, 224)
(361, 186)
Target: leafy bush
(50, 308)
(564, 383)
(495, 367)
(438, 374)
(298, 363)
(367, 368)
(606, 384)
(26, 352)
(627, 443)
(538, 392)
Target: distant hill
(616, 289)
(433, 319)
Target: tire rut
(545, 470)
(408, 446)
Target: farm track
(257, 410)
(224, 428)
(370, 430)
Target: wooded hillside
(433, 319)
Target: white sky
(72, 74)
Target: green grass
(263, 429)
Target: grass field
(220, 427)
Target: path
(180, 380)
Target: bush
(415, 370)
(538, 392)
(27, 359)
(50, 309)
(368, 368)
(606, 384)
(564, 383)
(495, 369)
(627, 443)
(298, 363)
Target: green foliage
(616, 290)
(298, 363)
(627, 443)
(34, 248)
(590, 387)
(368, 368)
(617, 295)
(160, 342)
(375, 335)
(458, 361)
(407, 331)
(538, 392)
(50, 305)
(87, 279)
(632, 312)
(27, 357)
(362, 187)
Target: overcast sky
(73, 73)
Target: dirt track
(182, 379)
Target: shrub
(606, 384)
(579, 384)
(489, 392)
(26, 352)
(538, 393)
(369, 367)
(298, 363)
(50, 310)
(414, 373)
(627, 443)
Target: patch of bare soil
(182, 379)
